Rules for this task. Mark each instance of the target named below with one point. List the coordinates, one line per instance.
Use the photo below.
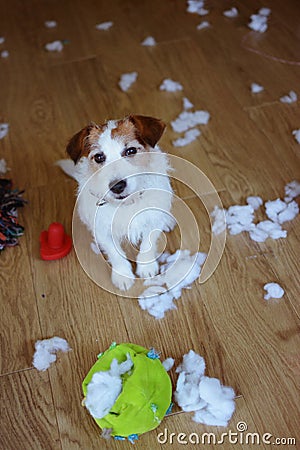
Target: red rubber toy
(55, 243)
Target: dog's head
(115, 146)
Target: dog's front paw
(123, 281)
(147, 270)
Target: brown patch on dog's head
(124, 130)
(148, 129)
(80, 144)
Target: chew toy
(145, 390)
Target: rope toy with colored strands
(10, 200)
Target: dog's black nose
(117, 187)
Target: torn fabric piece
(55, 46)
(231, 13)
(203, 25)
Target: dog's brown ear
(149, 128)
(78, 145)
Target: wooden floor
(246, 149)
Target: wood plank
(28, 418)
(19, 320)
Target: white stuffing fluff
(168, 364)
(258, 22)
(170, 86)
(240, 218)
(104, 26)
(292, 190)
(231, 13)
(177, 271)
(273, 291)
(219, 222)
(55, 46)
(95, 248)
(186, 103)
(45, 351)
(105, 387)
(127, 80)
(279, 211)
(291, 97)
(3, 167)
(212, 403)
(2, 40)
(194, 6)
(188, 119)
(4, 127)
(149, 41)
(254, 201)
(202, 12)
(4, 54)
(188, 138)
(50, 23)
(203, 25)
(256, 88)
(296, 133)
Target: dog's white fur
(142, 211)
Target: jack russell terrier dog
(124, 191)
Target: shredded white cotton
(296, 133)
(240, 218)
(45, 352)
(189, 137)
(212, 403)
(291, 97)
(258, 22)
(194, 6)
(292, 190)
(203, 25)
(168, 364)
(273, 291)
(4, 54)
(219, 220)
(127, 80)
(256, 88)
(50, 23)
(170, 85)
(186, 103)
(4, 127)
(104, 26)
(188, 119)
(2, 40)
(280, 211)
(177, 271)
(55, 46)
(254, 201)
(105, 387)
(3, 167)
(202, 12)
(231, 13)
(149, 41)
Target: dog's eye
(130, 151)
(99, 158)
